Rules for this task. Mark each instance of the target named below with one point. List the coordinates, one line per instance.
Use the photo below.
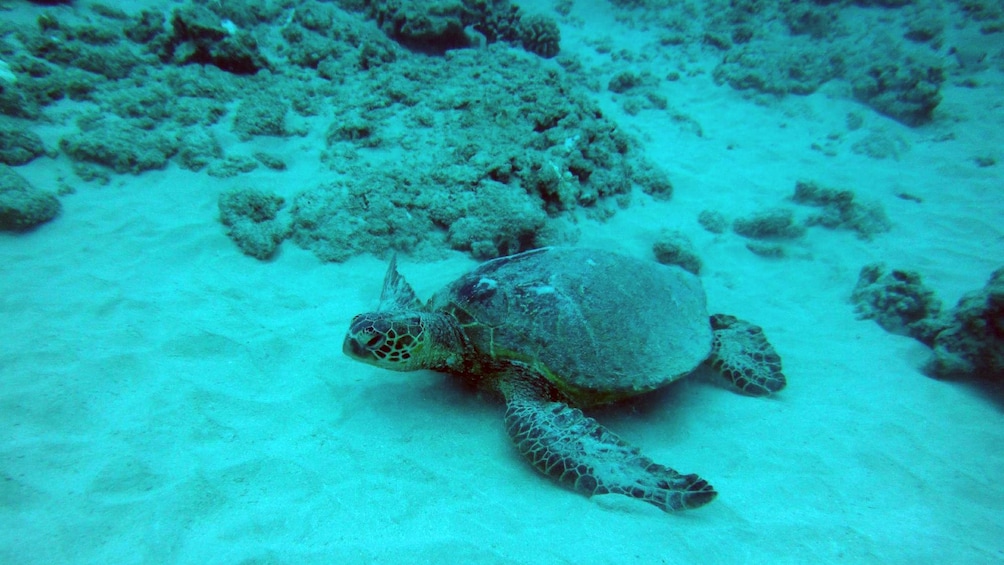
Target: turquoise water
(197, 197)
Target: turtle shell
(599, 325)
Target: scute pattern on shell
(604, 325)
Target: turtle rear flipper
(740, 351)
(578, 452)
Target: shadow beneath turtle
(991, 390)
(666, 406)
(448, 393)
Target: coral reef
(525, 140)
(539, 34)
(785, 47)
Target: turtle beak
(352, 348)
(358, 351)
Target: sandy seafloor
(167, 399)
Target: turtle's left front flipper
(741, 353)
(578, 452)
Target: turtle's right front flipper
(578, 452)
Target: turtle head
(396, 340)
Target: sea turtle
(555, 329)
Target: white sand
(166, 399)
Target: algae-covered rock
(18, 145)
(396, 209)
(22, 206)
(201, 36)
(511, 122)
(972, 343)
(442, 25)
(495, 220)
(839, 209)
(625, 81)
(375, 214)
(898, 300)
(199, 150)
(32, 83)
(653, 181)
(146, 105)
(322, 36)
(881, 144)
(427, 26)
(120, 146)
(797, 66)
(270, 161)
(17, 102)
(431, 25)
(94, 49)
(908, 91)
(809, 18)
(248, 13)
(967, 342)
(251, 218)
(775, 223)
(146, 26)
(261, 114)
(673, 247)
(766, 249)
(713, 221)
(355, 128)
(231, 166)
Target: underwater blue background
(197, 197)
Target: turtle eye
(374, 341)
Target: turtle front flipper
(578, 452)
(740, 351)
(397, 294)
